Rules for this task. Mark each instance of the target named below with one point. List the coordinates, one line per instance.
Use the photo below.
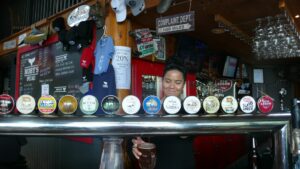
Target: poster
(121, 62)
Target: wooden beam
(42, 24)
(281, 4)
(285, 7)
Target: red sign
(7, 104)
(224, 85)
(265, 104)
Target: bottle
(253, 155)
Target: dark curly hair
(174, 63)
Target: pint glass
(148, 158)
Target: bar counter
(142, 125)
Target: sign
(49, 70)
(247, 104)
(47, 104)
(160, 47)
(131, 104)
(7, 104)
(110, 104)
(211, 104)
(9, 44)
(67, 104)
(25, 104)
(224, 85)
(265, 104)
(172, 104)
(151, 105)
(191, 105)
(258, 75)
(121, 62)
(144, 41)
(89, 104)
(229, 104)
(183, 22)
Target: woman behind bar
(172, 152)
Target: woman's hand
(135, 150)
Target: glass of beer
(148, 158)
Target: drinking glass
(148, 158)
(112, 153)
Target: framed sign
(160, 47)
(258, 75)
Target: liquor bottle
(253, 155)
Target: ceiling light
(297, 16)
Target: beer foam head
(147, 146)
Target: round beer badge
(89, 104)
(110, 104)
(25, 104)
(131, 104)
(67, 104)
(47, 104)
(191, 104)
(151, 104)
(247, 104)
(172, 104)
(211, 104)
(7, 104)
(265, 104)
(229, 104)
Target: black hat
(85, 33)
(62, 38)
(71, 36)
(59, 24)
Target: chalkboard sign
(49, 70)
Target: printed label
(131, 104)
(25, 104)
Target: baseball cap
(119, 7)
(136, 6)
(163, 6)
(35, 37)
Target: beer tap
(282, 93)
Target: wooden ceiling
(241, 13)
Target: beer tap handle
(295, 113)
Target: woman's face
(173, 83)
